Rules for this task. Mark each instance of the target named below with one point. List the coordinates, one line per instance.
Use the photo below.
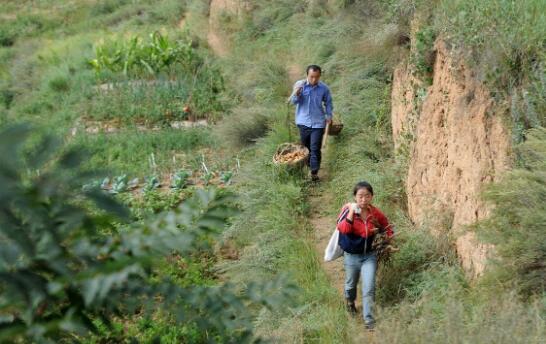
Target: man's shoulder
(323, 85)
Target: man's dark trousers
(312, 139)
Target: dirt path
(320, 201)
(295, 72)
(215, 38)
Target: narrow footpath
(319, 202)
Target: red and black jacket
(357, 236)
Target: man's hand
(298, 91)
(328, 121)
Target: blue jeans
(361, 266)
(312, 139)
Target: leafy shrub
(60, 272)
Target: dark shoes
(351, 308)
(314, 176)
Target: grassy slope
(45, 80)
(423, 295)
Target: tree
(69, 255)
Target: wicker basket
(335, 128)
(291, 154)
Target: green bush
(423, 55)
(243, 127)
(59, 83)
(516, 226)
(7, 36)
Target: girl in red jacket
(358, 223)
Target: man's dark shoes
(314, 176)
(369, 325)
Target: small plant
(226, 177)
(207, 177)
(105, 184)
(151, 183)
(119, 184)
(59, 83)
(133, 184)
(179, 180)
(423, 54)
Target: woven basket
(291, 154)
(335, 129)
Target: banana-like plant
(153, 56)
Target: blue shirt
(313, 105)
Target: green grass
(516, 226)
(423, 296)
(140, 103)
(274, 238)
(130, 151)
(502, 41)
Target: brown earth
(215, 39)
(456, 144)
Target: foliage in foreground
(68, 256)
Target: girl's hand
(351, 212)
(353, 208)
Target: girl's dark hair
(363, 185)
(313, 67)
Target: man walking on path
(313, 110)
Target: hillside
(194, 235)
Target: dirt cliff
(454, 143)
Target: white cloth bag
(333, 251)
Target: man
(313, 110)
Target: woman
(358, 223)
